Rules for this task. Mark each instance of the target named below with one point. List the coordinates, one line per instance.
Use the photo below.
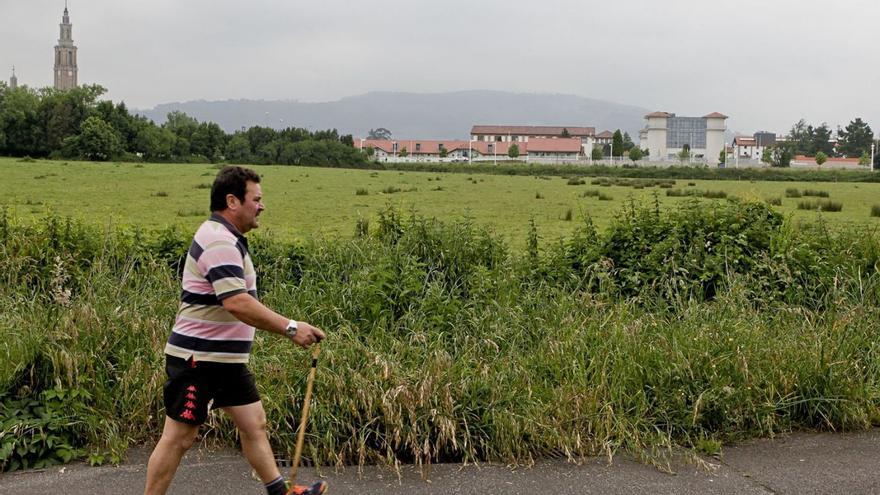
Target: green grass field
(306, 201)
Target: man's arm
(247, 309)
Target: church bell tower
(65, 55)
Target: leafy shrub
(605, 197)
(715, 194)
(875, 211)
(160, 194)
(361, 192)
(35, 433)
(391, 190)
(774, 201)
(575, 181)
(538, 195)
(821, 204)
(590, 193)
(568, 215)
(816, 193)
(792, 192)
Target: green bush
(715, 194)
(816, 193)
(35, 433)
(875, 211)
(822, 204)
(792, 192)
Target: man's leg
(176, 439)
(251, 422)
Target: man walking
(207, 352)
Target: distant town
(666, 139)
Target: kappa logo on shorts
(188, 415)
(191, 396)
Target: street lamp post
(873, 147)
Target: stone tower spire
(13, 81)
(65, 55)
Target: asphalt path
(799, 463)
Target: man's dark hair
(231, 180)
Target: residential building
(667, 135)
(65, 56)
(752, 147)
(552, 150)
(523, 133)
(604, 137)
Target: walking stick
(305, 414)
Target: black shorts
(194, 386)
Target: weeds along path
(691, 327)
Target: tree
(722, 157)
(597, 153)
(565, 132)
(403, 153)
(856, 138)
(371, 152)
(635, 154)
(208, 140)
(864, 159)
(379, 133)
(347, 139)
(767, 155)
(685, 154)
(181, 124)
(801, 135)
(153, 143)
(822, 140)
(97, 140)
(781, 154)
(443, 151)
(238, 149)
(821, 158)
(513, 151)
(628, 143)
(617, 143)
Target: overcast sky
(765, 63)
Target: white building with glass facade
(666, 136)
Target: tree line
(853, 141)
(78, 124)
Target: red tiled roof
(658, 114)
(744, 141)
(563, 145)
(605, 135)
(531, 130)
(715, 115)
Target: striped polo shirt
(218, 266)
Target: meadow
(304, 202)
(455, 334)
